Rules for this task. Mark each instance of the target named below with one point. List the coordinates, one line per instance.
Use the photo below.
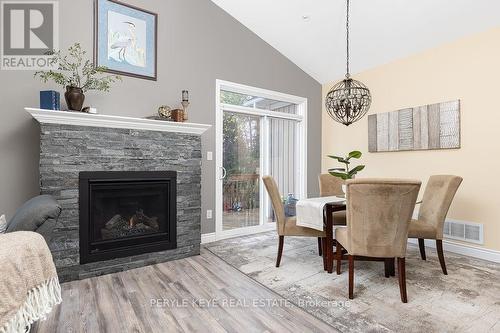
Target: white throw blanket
(310, 211)
(29, 287)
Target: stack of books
(50, 100)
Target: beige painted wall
(467, 69)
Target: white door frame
(301, 143)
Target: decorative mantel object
(77, 75)
(74, 98)
(178, 115)
(433, 126)
(90, 110)
(126, 39)
(164, 112)
(348, 100)
(185, 103)
(50, 100)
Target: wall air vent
(464, 231)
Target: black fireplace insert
(124, 213)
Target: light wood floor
(122, 302)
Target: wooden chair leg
(402, 279)
(280, 250)
(393, 267)
(351, 276)
(421, 245)
(319, 247)
(388, 267)
(323, 246)
(439, 248)
(338, 255)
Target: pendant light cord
(347, 75)
(348, 100)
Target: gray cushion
(34, 214)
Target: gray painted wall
(197, 43)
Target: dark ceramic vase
(74, 98)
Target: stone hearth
(74, 142)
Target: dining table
(328, 242)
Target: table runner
(310, 211)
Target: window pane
(229, 97)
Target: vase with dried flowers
(77, 75)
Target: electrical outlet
(209, 214)
(209, 156)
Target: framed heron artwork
(125, 39)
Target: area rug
(465, 300)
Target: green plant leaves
(341, 175)
(75, 71)
(335, 157)
(354, 154)
(342, 172)
(355, 170)
(340, 159)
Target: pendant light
(348, 100)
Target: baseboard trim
(468, 250)
(208, 238)
(212, 237)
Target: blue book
(50, 100)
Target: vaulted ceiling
(311, 33)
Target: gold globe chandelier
(348, 100)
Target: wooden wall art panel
(433, 126)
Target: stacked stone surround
(65, 150)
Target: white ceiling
(381, 30)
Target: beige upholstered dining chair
(286, 226)
(332, 186)
(378, 215)
(438, 195)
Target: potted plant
(346, 172)
(78, 75)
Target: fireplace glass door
(127, 210)
(126, 213)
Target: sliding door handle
(224, 173)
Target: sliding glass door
(282, 158)
(259, 133)
(241, 167)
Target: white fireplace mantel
(101, 120)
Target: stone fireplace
(145, 177)
(124, 213)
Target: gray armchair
(38, 214)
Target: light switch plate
(209, 156)
(209, 213)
